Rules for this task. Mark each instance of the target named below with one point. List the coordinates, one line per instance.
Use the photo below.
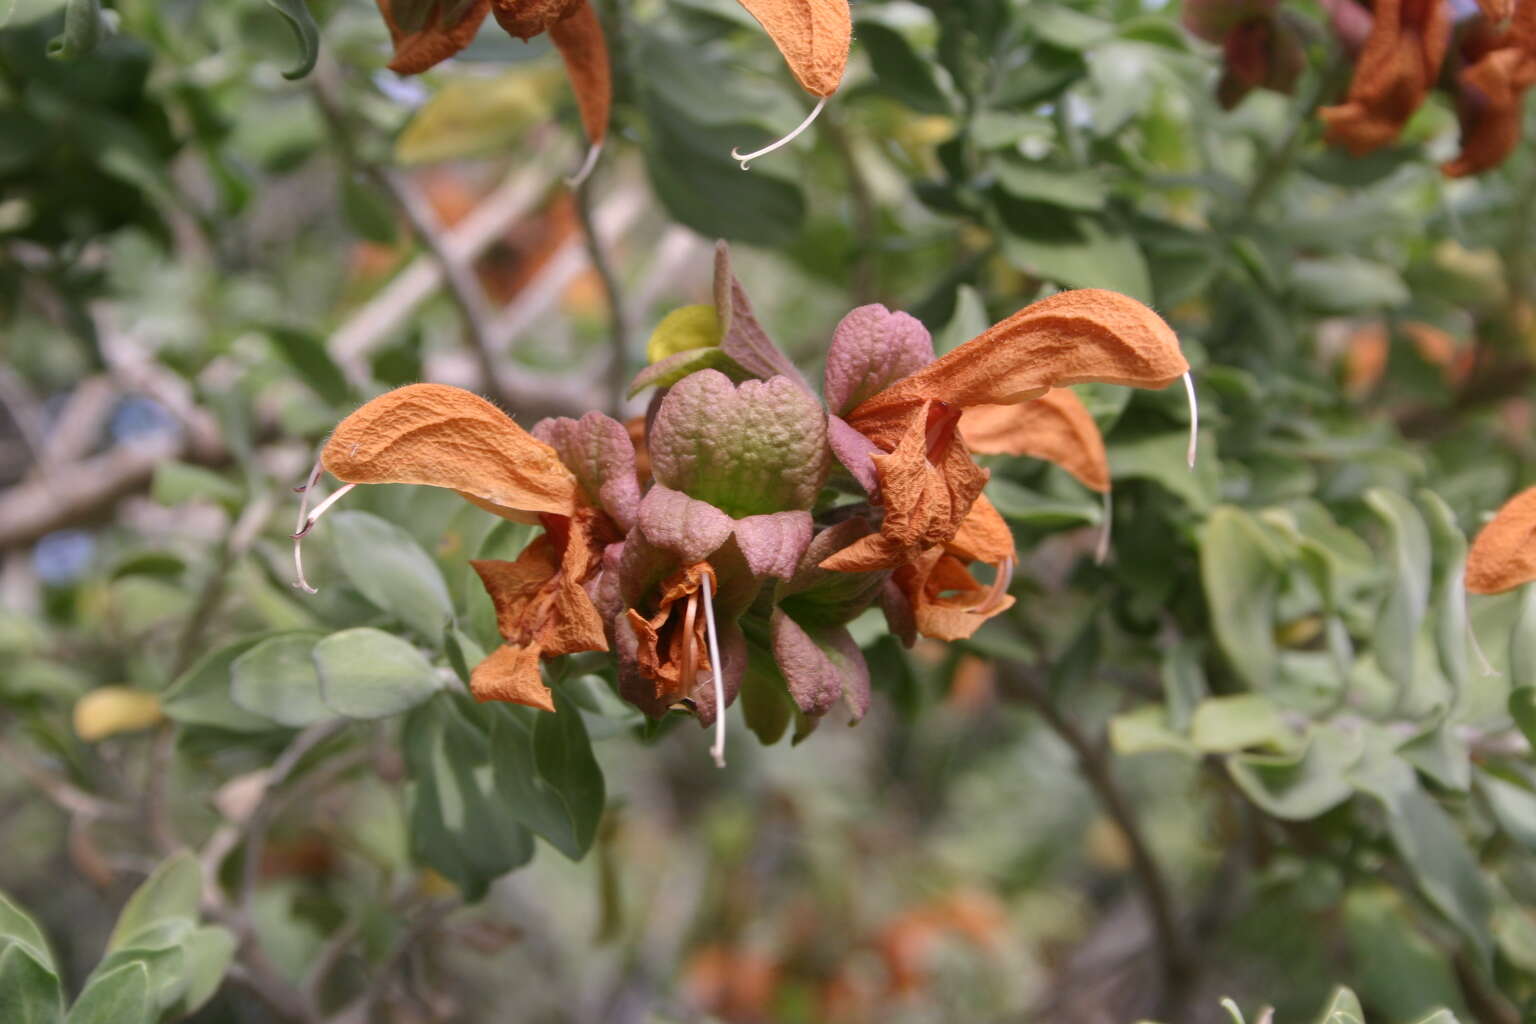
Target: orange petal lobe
(434, 42)
(983, 535)
(579, 38)
(442, 436)
(1072, 337)
(1504, 554)
(1056, 427)
(511, 673)
(1397, 67)
(525, 19)
(813, 36)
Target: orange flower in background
(442, 436)
(1499, 61)
(1395, 71)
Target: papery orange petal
(813, 36)
(1504, 554)
(1490, 106)
(524, 19)
(983, 535)
(945, 597)
(511, 673)
(1072, 337)
(442, 436)
(579, 38)
(1396, 69)
(1056, 427)
(434, 42)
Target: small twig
(65, 795)
(266, 808)
(618, 319)
(419, 927)
(1178, 968)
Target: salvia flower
(737, 564)
(1396, 69)
(1261, 47)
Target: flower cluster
(1483, 55)
(756, 520)
(813, 36)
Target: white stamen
(307, 521)
(1482, 657)
(716, 669)
(593, 151)
(736, 154)
(1101, 550)
(1194, 418)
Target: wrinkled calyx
(736, 563)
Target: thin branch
(266, 808)
(618, 319)
(1177, 966)
(65, 795)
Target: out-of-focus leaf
(175, 482)
(208, 952)
(201, 695)
(1082, 250)
(968, 320)
(1514, 807)
(391, 570)
(82, 30)
(120, 996)
(1343, 1007)
(1183, 679)
(367, 673)
(109, 710)
(1242, 567)
(1394, 966)
(368, 213)
(899, 70)
(160, 949)
(277, 680)
(1146, 731)
(170, 893)
(306, 353)
(1303, 785)
(17, 926)
(1062, 26)
(1397, 625)
(1162, 458)
(1522, 657)
(1441, 754)
(1071, 189)
(474, 116)
(1347, 284)
(1227, 724)
(296, 13)
(29, 990)
(547, 775)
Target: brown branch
(1177, 966)
(618, 318)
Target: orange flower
(1503, 555)
(1500, 65)
(442, 436)
(1396, 69)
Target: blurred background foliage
(1267, 748)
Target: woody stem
(618, 322)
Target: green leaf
(1081, 250)
(1428, 840)
(476, 116)
(277, 679)
(171, 893)
(899, 71)
(120, 996)
(547, 774)
(1347, 284)
(460, 825)
(1343, 1008)
(159, 949)
(1514, 808)
(1183, 677)
(1163, 459)
(1071, 189)
(1062, 26)
(1397, 625)
(1226, 724)
(1522, 655)
(392, 571)
(306, 353)
(1146, 731)
(177, 482)
(29, 990)
(208, 952)
(1304, 785)
(1396, 968)
(368, 213)
(968, 321)
(367, 673)
(17, 926)
(201, 694)
(1452, 627)
(1241, 569)
(296, 12)
(1522, 708)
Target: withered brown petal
(945, 598)
(1489, 105)
(983, 535)
(443, 436)
(813, 36)
(434, 42)
(511, 673)
(525, 19)
(1504, 554)
(1396, 69)
(579, 38)
(1072, 337)
(1056, 427)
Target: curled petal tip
(1194, 418)
(584, 172)
(745, 158)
